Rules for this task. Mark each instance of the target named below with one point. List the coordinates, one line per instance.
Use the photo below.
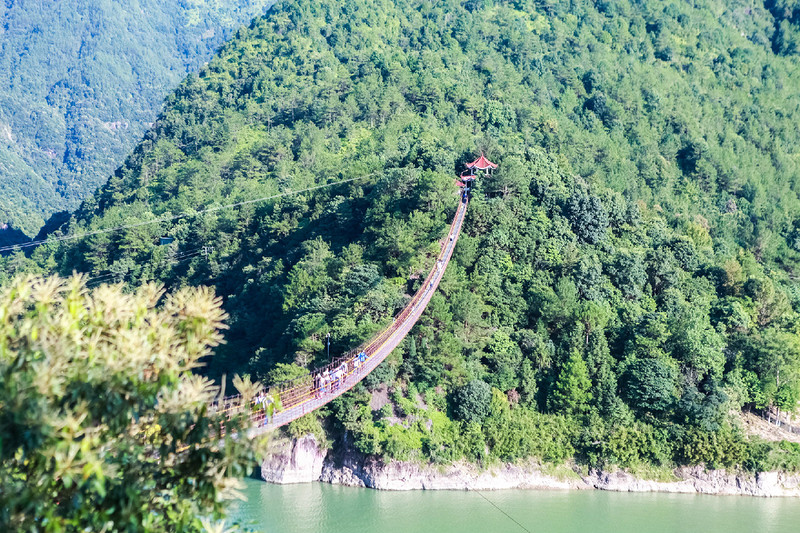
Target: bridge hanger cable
(103, 276)
(179, 215)
(468, 485)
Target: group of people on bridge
(329, 381)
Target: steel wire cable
(98, 279)
(169, 218)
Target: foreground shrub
(103, 426)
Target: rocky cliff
(294, 461)
(303, 460)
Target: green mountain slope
(81, 81)
(625, 279)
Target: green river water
(323, 508)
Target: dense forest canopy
(623, 282)
(79, 83)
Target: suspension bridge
(289, 400)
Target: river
(324, 508)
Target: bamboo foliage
(247, 388)
(97, 398)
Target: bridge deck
(307, 395)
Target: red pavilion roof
(481, 163)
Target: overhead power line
(179, 215)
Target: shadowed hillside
(81, 81)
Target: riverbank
(303, 461)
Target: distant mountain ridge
(80, 82)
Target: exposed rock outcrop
(698, 480)
(397, 475)
(294, 461)
(303, 461)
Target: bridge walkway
(306, 394)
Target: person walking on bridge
(358, 360)
(338, 376)
(326, 379)
(317, 385)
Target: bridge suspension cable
(169, 218)
(292, 399)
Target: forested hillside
(79, 83)
(625, 281)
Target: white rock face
(698, 480)
(396, 475)
(294, 461)
(302, 461)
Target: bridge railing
(310, 389)
(298, 388)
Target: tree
(770, 301)
(607, 110)
(706, 411)
(774, 356)
(629, 274)
(104, 426)
(649, 385)
(600, 365)
(697, 344)
(510, 179)
(504, 357)
(588, 217)
(472, 402)
(361, 279)
(571, 392)
(286, 372)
